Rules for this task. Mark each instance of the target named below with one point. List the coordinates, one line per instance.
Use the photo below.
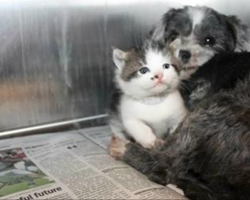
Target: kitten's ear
(119, 57)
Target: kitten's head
(145, 74)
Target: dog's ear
(241, 33)
(158, 33)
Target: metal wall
(55, 56)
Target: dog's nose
(185, 55)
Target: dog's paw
(117, 147)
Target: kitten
(147, 101)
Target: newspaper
(71, 165)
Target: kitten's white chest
(160, 116)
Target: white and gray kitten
(147, 101)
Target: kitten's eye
(144, 70)
(166, 66)
(173, 36)
(209, 41)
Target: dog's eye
(144, 70)
(209, 41)
(173, 36)
(166, 66)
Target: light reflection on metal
(49, 126)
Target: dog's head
(195, 34)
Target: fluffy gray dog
(209, 154)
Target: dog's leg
(162, 164)
(149, 162)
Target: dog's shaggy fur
(209, 155)
(221, 73)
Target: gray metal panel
(55, 56)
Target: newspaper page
(71, 165)
(102, 135)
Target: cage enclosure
(55, 56)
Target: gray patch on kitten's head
(128, 62)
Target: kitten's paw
(148, 142)
(159, 142)
(117, 147)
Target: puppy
(196, 34)
(208, 156)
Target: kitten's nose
(185, 55)
(158, 76)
